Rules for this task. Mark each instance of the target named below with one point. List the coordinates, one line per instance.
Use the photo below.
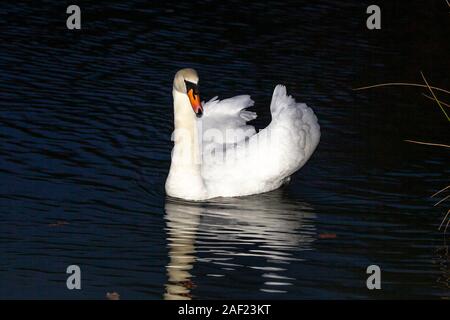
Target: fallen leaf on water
(58, 224)
(112, 296)
(327, 236)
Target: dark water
(85, 124)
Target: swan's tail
(280, 100)
(298, 122)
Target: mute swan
(217, 154)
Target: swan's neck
(186, 137)
(185, 178)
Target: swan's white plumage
(235, 160)
(265, 160)
(228, 116)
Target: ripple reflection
(260, 233)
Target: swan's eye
(191, 85)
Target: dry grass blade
(431, 88)
(441, 102)
(440, 191)
(429, 143)
(443, 220)
(441, 106)
(400, 84)
(434, 96)
(442, 200)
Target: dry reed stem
(429, 143)
(443, 220)
(434, 96)
(442, 200)
(440, 191)
(400, 84)
(440, 104)
(431, 98)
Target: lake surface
(85, 126)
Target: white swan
(217, 154)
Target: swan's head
(186, 82)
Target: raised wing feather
(225, 121)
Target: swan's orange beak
(194, 98)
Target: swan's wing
(225, 121)
(266, 159)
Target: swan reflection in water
(226, 231)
